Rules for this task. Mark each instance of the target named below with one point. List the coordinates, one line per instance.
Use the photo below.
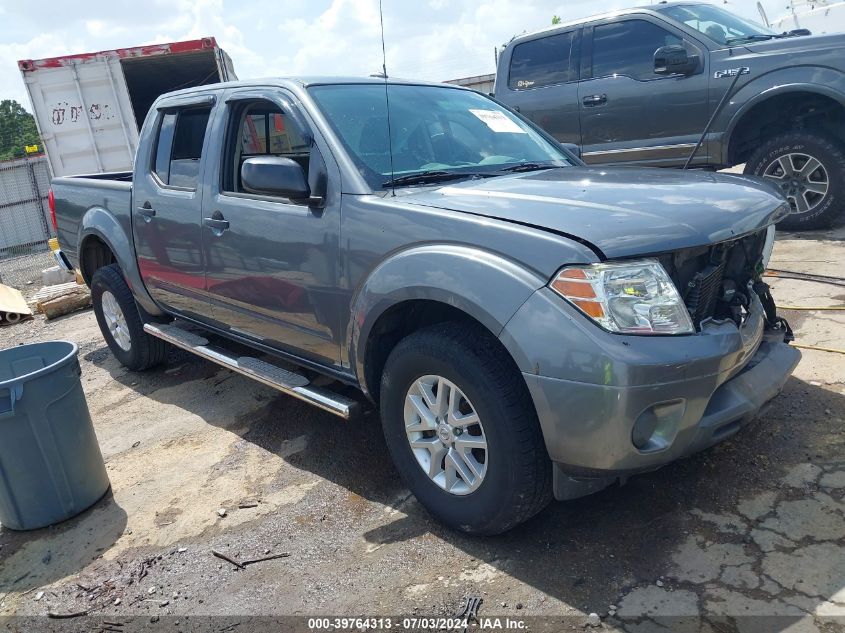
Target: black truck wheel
(810, 171)
(120, 321)
(462, 430)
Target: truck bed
(77, 196)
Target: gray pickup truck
(639, 87)
(528, 326)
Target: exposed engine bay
(716, 282)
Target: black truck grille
(703, 274)
(702, 292)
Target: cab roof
(305, 82)
(649, 9)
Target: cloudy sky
(426, 39)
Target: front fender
(485, 286)
(823, 81)
(101, 223)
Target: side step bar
(285, 381)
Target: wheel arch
(94, 253)
(397, 322)
(780, 109)
(427, 285)
(103, 241)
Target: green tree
(556, 19)
(17, 130)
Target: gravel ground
(747, 536)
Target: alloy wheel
(116, 321)
(802, 179)
(446, 435)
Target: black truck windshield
(437, 133)
(719, 25)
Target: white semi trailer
(89, 106)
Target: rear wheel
(121, 323)
(462, 430)
(809, 169)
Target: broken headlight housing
(633, 297)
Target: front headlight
(635, 297)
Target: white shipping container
(89, 107)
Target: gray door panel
(167, 201)
(542, 83)
(629, 114)
(556, 110)
(272, 272)
(654, 121)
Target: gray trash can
(51, 467)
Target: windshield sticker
(497, 121)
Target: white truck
(89, 106)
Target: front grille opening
(702, 292)
(713, 280)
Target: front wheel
(121, 323)
(809, 169)
(461, 428)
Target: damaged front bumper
(647, 401)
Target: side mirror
(275, 176)
(674, 60)
(572, 148)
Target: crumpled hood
(621, 211)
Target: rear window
(542, 62)
(181, 137)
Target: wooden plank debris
(61, 299)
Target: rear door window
(543, 62)
(627, 48)
(181, 138)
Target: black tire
(829, 152)
(518, 480)
(144, 351)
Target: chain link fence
(25, 227)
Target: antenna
(763, 15)
(386, 96)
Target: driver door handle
(595, 100)
(147, 210)
(216, 223)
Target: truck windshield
(437, 134)
(719, 25)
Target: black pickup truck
(639, 86)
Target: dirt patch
(201, 459)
